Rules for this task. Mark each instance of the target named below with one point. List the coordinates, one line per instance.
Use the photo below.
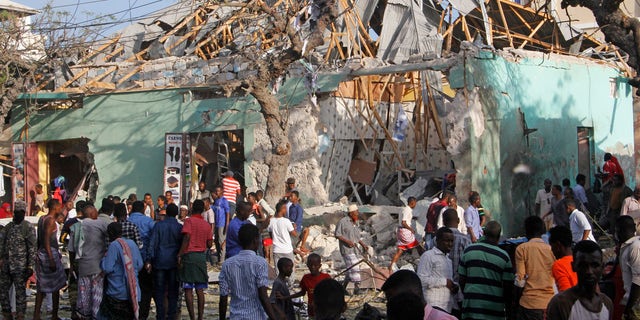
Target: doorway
(215, 153)
(585, 152)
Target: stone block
(196, 72)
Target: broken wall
(531, 108)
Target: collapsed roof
(206, 30)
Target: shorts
(267, 242)
(197, 286)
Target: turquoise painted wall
(556, 95)
(127, 130)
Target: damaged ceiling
(211, 30)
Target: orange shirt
(563, 273)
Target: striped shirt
(485, 268)
(241, 277)
(230, 188)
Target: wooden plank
(533, 32)
(465, 28)
(434, 113)
(504, 21)
(131, 73)
(523, 37)
(523, 20)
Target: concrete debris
(378, 232)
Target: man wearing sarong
(406, 234)
(120, 266)
(348, 234)
(192, 262)
(50, 276)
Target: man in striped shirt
(231, 190)
(486, 277)
(244, 277)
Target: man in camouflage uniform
(17, 258)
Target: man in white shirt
(282, 230)
(405, 233)
(629, 265)
(631, 204)
(453, 204)
(543, 201)
(578, 223)
(436, 272)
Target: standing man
(583, 301)
(348, 234)
(632, 203)
(232, 189)
(558, 211)
(50, 274)
(145, 277)
(149, 209)
(629, 265)
(436, 272)
(460, 241)
(192, 261)
(120, 266)
(578, 223)
(232, 241)
(166, 239)
(472, 217)
(486, 277)
(282, 231)
(560, 240)
(245, 278)
(90, 248)
(295, 215)
(202, 192)
(453, 204)
(543, 200)
(222, 216)
(578, 191)
(17, 258)
(129, 230)
(432, 218)
(619, 192)
(534, 261)
(405, 233)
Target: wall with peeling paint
(555, 95)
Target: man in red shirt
(231, 190)
(432, 218)
(310, 280)
(192, 263)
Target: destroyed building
(497, 94)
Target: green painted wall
(126, 132)
(556, 95)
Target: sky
(123, 10)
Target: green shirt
(485, 267)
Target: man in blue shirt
(245, 278)
(166, 238)
(145, 278)
(121, 298)
(243, 211)
(222, 216)
(295, 215)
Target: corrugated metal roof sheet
(409, 34)
(16, 7)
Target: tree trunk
(278, 131)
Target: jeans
(219, 237)
(165, 282)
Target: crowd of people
(132, 251)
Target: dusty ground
(354, 303)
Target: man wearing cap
(348, 234)
(231, 188)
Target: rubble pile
(378, 231)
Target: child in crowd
(310, 280)
(264, 212)
(280, 289)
